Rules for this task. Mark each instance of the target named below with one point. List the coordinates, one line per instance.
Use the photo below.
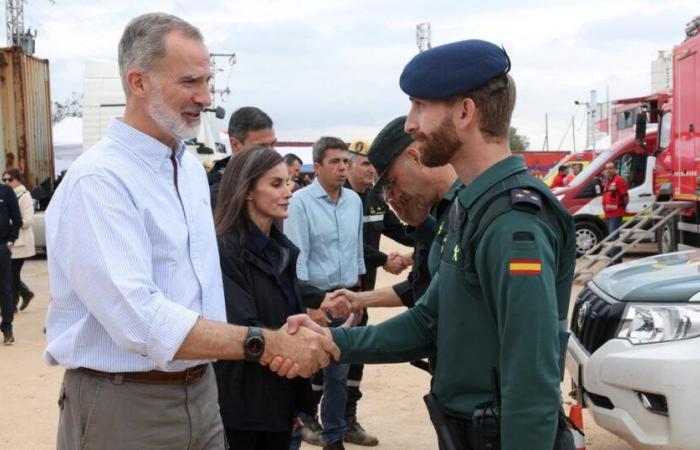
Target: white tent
(67, 142)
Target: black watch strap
(254, 345)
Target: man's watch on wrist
(254, 345)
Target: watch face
(255, 346)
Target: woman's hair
(241, 174)
(15, 174)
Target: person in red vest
(560, 177)
(615, 198)
(575, 170)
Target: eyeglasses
(6, 179)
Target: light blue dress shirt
(329, 236)
(132, 262)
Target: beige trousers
(111, 414)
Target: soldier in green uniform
(495, 311)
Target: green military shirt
(500, 309)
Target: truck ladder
(641, 226)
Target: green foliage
(518, 143)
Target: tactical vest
(513, 192)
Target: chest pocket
(454, 249)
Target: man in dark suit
(10, 223)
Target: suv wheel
(668, 237)
(588, 235)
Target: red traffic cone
(576, 418)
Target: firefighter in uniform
(377, 219)
(495, 311)
(615, 199)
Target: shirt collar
(150, 150)
(494, 174)
(319, 192)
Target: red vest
(615, 197)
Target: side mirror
(592, 190)
(640, 129)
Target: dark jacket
(10, 217)
(413, 287)
(251, 397)
(377, 219)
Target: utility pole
(14, 20)
(423, 36)
(223, 93)
(545, 145)
(14, 27)
(573, 133)
(591, 125)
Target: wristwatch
(254, 344)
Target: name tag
(373, 218)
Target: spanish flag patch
(525, 267)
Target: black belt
(186, 377)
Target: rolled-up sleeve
(108, 257)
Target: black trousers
(354, 378)
(7, 304)
(18, 288)
(258, 440)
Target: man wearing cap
(377, 219)
(418, 194)
(494, 312)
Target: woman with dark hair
(261, 289)
(23, 247)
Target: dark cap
(389, 144)
(453, 69)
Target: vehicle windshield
(592, 169)
(555, 168)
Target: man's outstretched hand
(301, 324)
(300, 352)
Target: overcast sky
(321, 67)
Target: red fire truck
(661, 161)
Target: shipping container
(25, 104)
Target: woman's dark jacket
(251, 397)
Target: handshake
(300, 348)
(397, 263)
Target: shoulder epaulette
(527, 198)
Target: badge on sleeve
(525, 267)
(525, 197)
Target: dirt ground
(392, 407)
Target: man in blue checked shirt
(325, 222)
(138, 310)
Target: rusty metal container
(25, 109)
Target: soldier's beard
(438, 148)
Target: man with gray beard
(138, 310)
